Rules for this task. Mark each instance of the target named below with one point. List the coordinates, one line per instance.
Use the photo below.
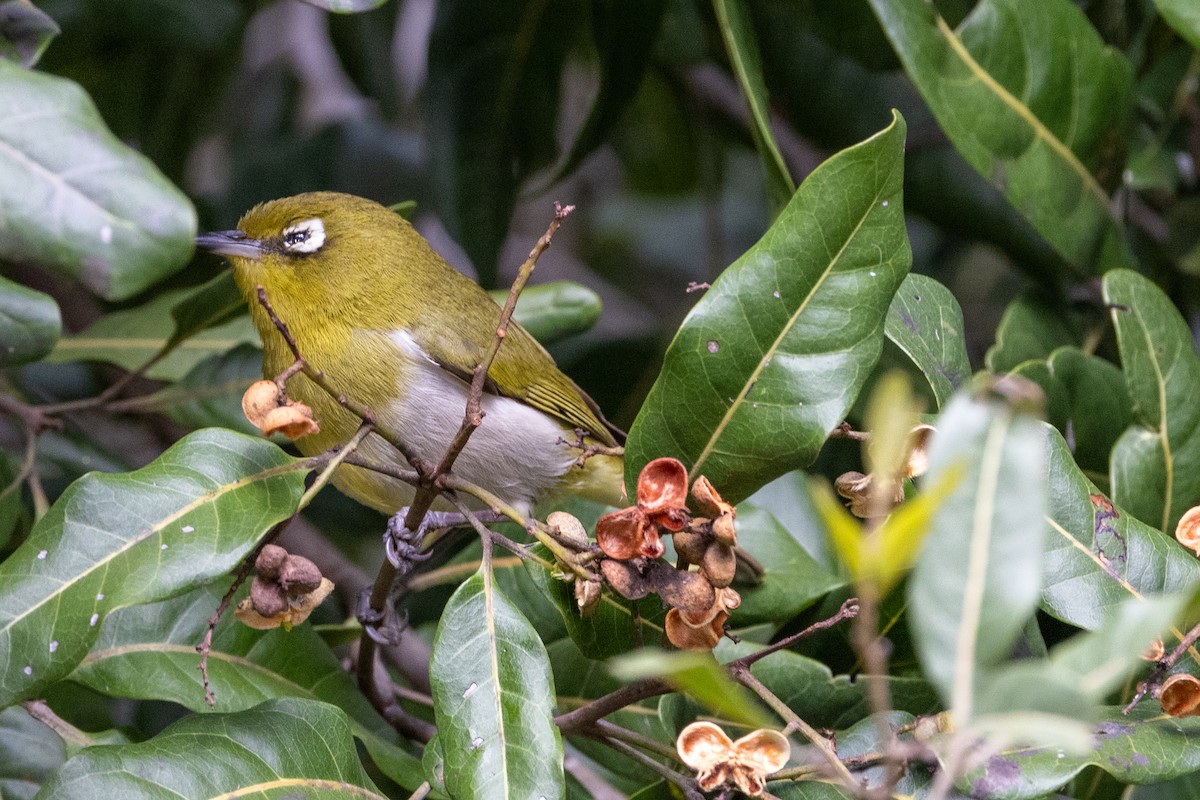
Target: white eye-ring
(304, 237)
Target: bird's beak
(230, 243)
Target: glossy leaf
(149, 652)
(774, 354)
(493, 698)
(1183, 16)
(206, 306)
(274, 750)
(625, 32)
(1041, 135)
(701, 677)
(742, 48)
(1156, 463)
(1097, 554)
(211, 393)
(977, 579)
(75, 199)
(30, 752)
(25, 31)
(131, 337)
(925, 321)
(30, 322)
(112, 541)
(494, 71)
(1098, 406)
(554, 311)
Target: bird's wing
(524, 371)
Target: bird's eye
(304, 237)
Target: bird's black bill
(230, 243)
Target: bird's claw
(383, 626)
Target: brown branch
(844, 431)
(585, 715)
(1153, 683)
(687, 785)
(849, 610)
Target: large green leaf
(75, 199)
(977, 579)
(1183, 16)
(25, 31)
(1097, 554)
(493, 698)
(149, 652)
(774, 354)
(742, 48)
(113, 541)
(925, 321)
(30, 323)
(129, 338)
(1031, 328)
(494, 71)
(279, 749)
(1156, 464)
(29, 754)
(1032, 98)
(1098, 406)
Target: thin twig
(1154, 682)
(687, 785)
(585, 715)
(849, 610)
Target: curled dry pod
(587, 596)
(298, 575)
(719, 564)
(293, 421)
(691, 544)
(295, 612)
(259, 399)
(1180, 695)
(1154, 651)
(1187, 532)
(662, 493)
(267, 597)
(624, 579)
(686, 636)
(919, 439)
(569, 528)
(269, 560)
(724, 530)
(688, 591)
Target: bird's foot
(383, 626)
(403, 547)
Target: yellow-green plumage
(396, 328)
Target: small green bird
(396, 328)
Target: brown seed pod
(259, 399)
(919, 439)
(298, 575)
(691, 544)
(624, 579)
(269, 560)
(688, 591)
(694, 637)
(587, 596)
(1187, 532)
(719, 564)
(293, 421)
(569, 528)
(267, 597)
(1180, 696)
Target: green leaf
(210, 395)
(149, 652)
(207, 306)
(774, 354)
(493, 698)
(131, 337)
(25, 31)
(977, 579)
(625, 32)
(494, 73)
(1183, 16)
(701, 677)
(1032, 98)
(30, 322)
(742, 48)
(112, 541)
(1098, 555)
(29, 754)
(1031, 328)
(275, 750)
(75, 199)
(1144, 747)
(346, 6)
(1098, 406)
(793, 580)
(925, 321)
(1156, 463)
(554, 311)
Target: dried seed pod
(747, 762)
(719, 564)
(624, 579)
(686, 636)
(919, 438)
(298, 575)
(587, 596)
(724, 530)
(1180, 696)
(295, 612)
(267, 597)
(690, 545)
(1187, 532)
(1154, 651)
(270, 559)
(687, 591)
(662, 493)
(569, 528)
(293, 421)
(259, 399)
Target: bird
(394, 327)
